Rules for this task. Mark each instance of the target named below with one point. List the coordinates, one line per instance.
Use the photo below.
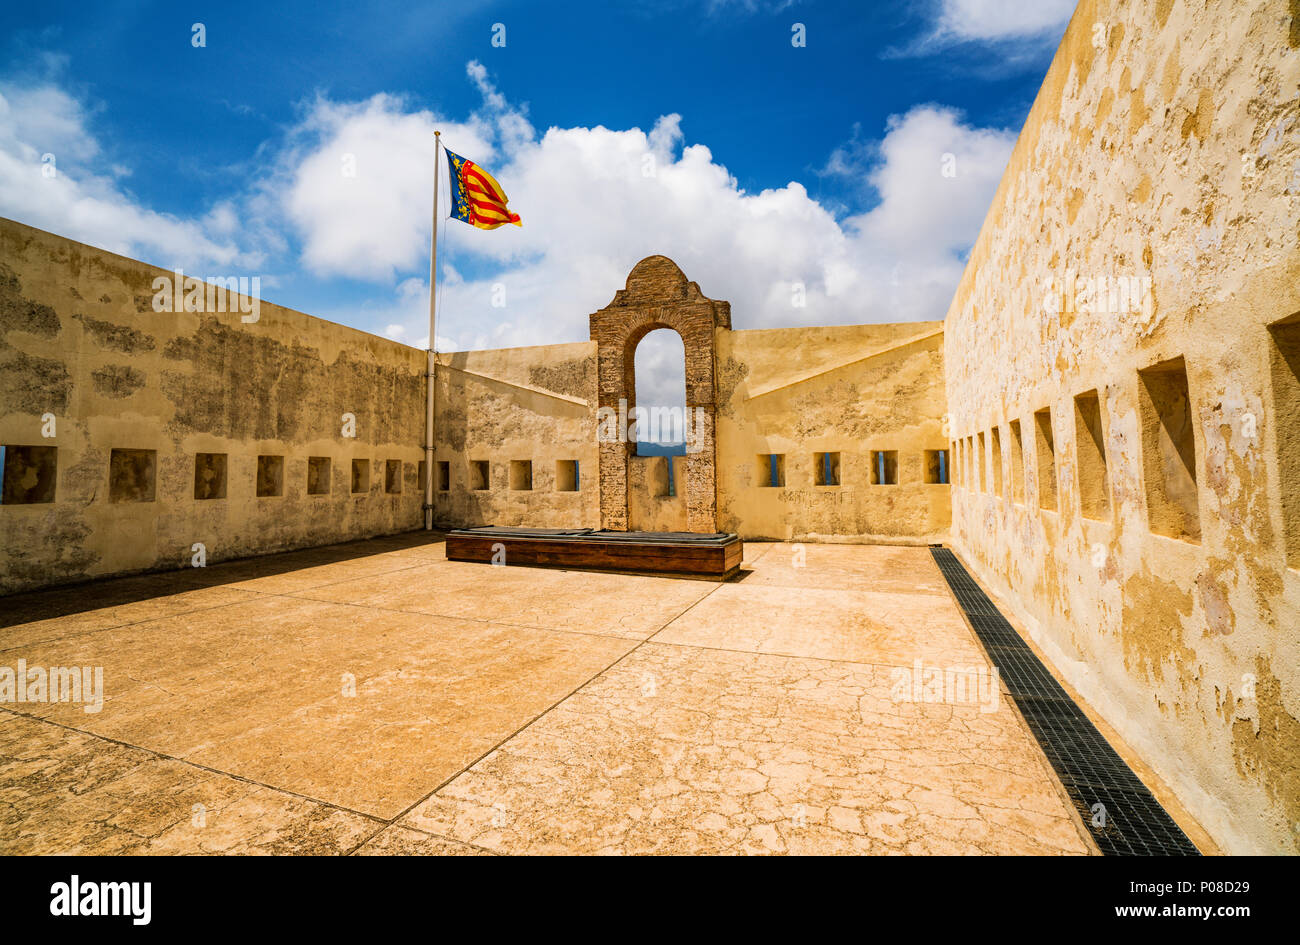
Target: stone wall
(870, 396)
(159, 420)
(527, 413)
(651, 507)
(1128, 467)
(658, 295)
(172, 429)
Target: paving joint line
(548, 710)
(191, 764)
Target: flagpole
(430, 383)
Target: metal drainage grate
(1130, 821)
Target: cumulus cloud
(344, 197)
(990, 36)
(357, 181)
(993, 20)
(596, 200)
(356, 178)
(48, 150)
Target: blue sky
(802, 183)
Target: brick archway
(658, 295)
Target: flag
(476, 197)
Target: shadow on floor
(67, 599)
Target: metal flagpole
(430, 381)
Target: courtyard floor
(376, 698)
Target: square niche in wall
(521, 475)
(209, 475)
(1169, 451)
(995, 459)
(884, 467)
(936, 466)
(360, 476)
(1090, 462)
(29, 474)
(1045, 459)
(318, 475)
(566, 475)
(132, 475)
(478, 475)
(1285, 371)
(771, 470)
(270, 476)
(1017, 459)
(826, 469)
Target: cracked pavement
(375, 698)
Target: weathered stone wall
(851, 390)
(650, 507)
(1145, 543)
(191, 401)
(533, 405)
(80, 343)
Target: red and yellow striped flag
(476, 197)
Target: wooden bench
(686, 553)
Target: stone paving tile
(884, 568)
(35, 618)
(681, 750)
(628, 606)
(63, 792)
(402, 841)
(861, 626)
(257, 689)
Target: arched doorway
(658, 295)
(656, 488)
(659, 389)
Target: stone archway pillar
(658, 295)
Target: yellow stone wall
(534, 405)
(1164, 144)
(81, 344)
(851, 390)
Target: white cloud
(594, 201)
(923, 212)
(47, 150)
(661, 376)
(358, 181)
(994, 20)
